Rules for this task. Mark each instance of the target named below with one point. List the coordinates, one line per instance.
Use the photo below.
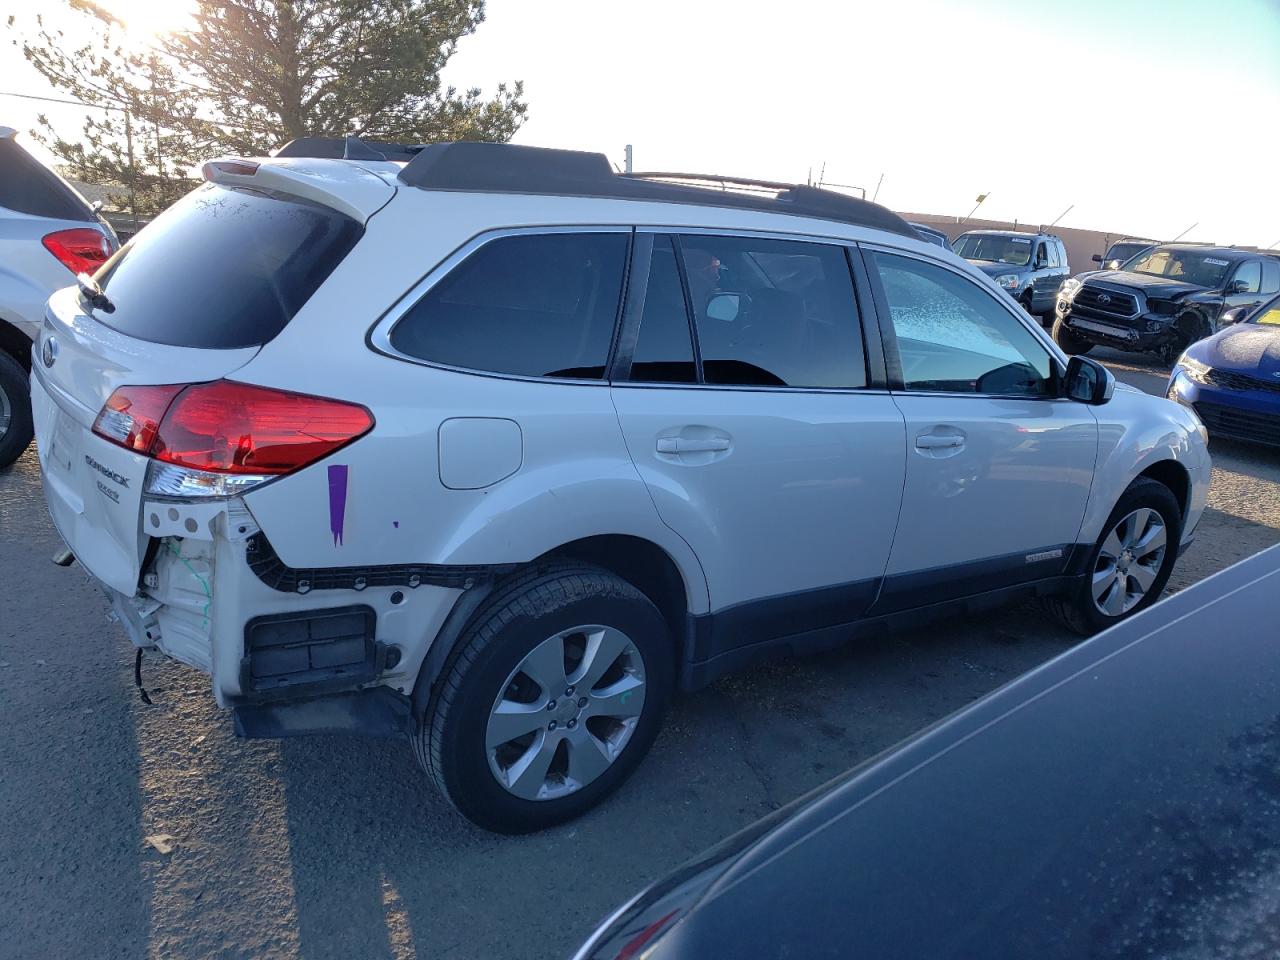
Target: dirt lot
(331, 847)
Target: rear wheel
(1131, 562)
(555, 694)
(1068, 341)
(15, 410)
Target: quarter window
(954, 337)
(536, 305)
(778, 313)
(1251, 274)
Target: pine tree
(250, 75)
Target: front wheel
(15, 410)
(1068, 341)
(555, 694)
(1131, 562)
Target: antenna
(1185, 232)
(877, 193)
(1060, 216)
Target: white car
(499, 448)
(48, 234)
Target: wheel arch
(15, 342)
(1176, 477)
(641, 562)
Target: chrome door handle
(929, 441)
(687, 445)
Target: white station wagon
(495, 447)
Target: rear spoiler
(349, 148)
(347, 188)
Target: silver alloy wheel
(1129, 562)
(566, 712)
(6, 412)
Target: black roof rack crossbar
(512, 168)
(348, 148)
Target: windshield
(1123, 251)
(994, 248)
(1202, 268)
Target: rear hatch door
(192, 299)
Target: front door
(998, 467)
(760, 439)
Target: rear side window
(29, 187)
(224, 268)
(777, 313)
(534, 305)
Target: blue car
(1232, 379)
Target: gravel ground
(332, 847)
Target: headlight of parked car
(1194, 369)
(1008, 280)
(1161, 308)
(1070, 286)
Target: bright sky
(1146, 116)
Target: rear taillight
(81, 249)
(223, 437)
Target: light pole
(128, 141)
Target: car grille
(1245, 424)
(1106, 301)
(1240, 381)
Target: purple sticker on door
(337, 501)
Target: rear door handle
(690, 445)
(932, 441)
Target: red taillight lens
(226, 427)
(131, 416)
(80, 250)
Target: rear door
(998, 468)
(763, 440)
(192, 299)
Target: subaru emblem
(49, 352)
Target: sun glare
(152, 17)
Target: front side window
(954, 337)
(534, 305)
(777, 313)
(1270, 276)
(994, 248)
(1250, 274)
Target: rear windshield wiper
(92, 293)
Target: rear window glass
(533, 305)
(29, 187)
(224, 268)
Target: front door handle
(692, 445)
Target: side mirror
(724, 307)
(1237, 286)
(1088, 381)
(96, 206)
(1096, 258)
(1234, 315)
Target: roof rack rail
(349, 148)
(467, 166)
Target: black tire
(1076, 609)
(449, 739)
(1026, 300)
(17, 398)
(1068, 341)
